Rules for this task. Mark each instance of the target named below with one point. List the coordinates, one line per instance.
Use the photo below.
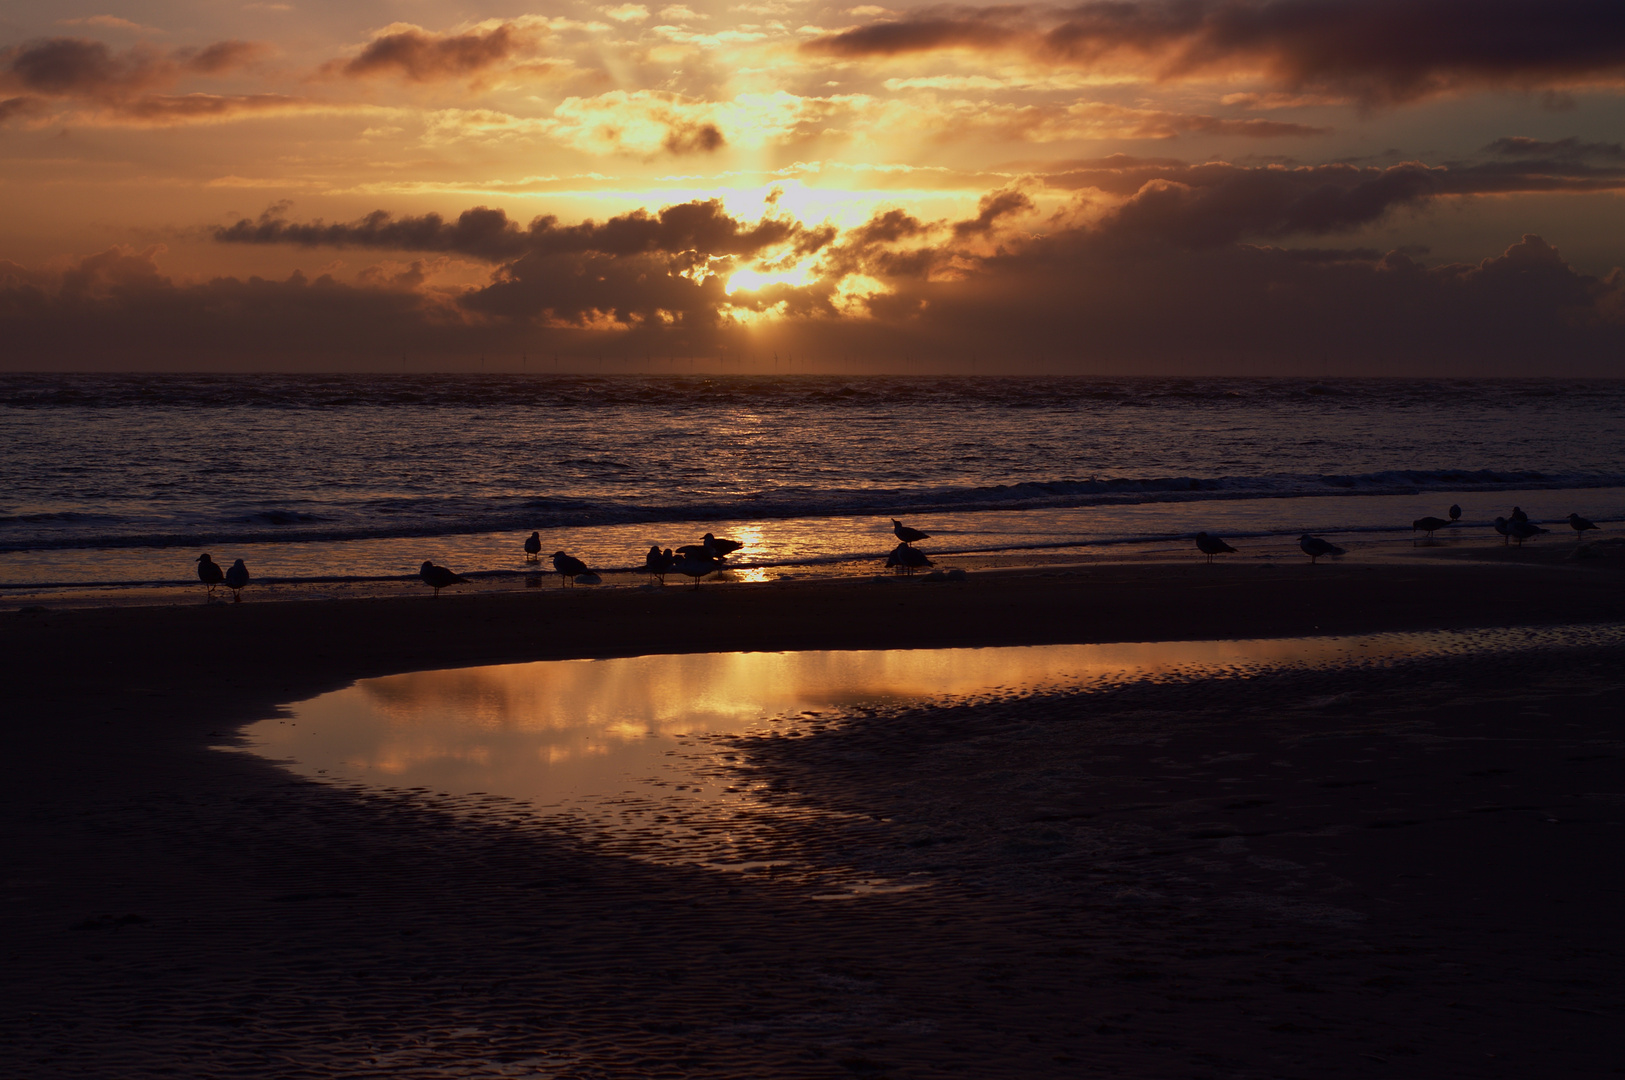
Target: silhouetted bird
(1315, 547)
(1455, 513)
(906, 534)
(1579, 525)
(1518, 514)
(1504, 527)
(1211, 545)
(208, 572)
(1524, 530)
(533, 547)
(696, 566)
(236, 578)
(720, 548)
(710, 547)
(658, 563)
(1428, 524)
(438, 577)
(568, 567)
(906, 558)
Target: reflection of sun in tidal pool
(571, 733)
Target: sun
(750, 279)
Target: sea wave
(567, 392)
(427, 516)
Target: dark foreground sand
(1414, 872)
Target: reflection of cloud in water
(563, 731)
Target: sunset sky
(1250, 186)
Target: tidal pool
(573, 735)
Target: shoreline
(1279, 551)
(175, 910)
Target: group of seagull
(691, 560)
(1516, 527)
(705, 558)
(209, 572)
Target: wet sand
(1407, 872)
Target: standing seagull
(1428, 524)
(568, 567)
(719, 548)
(1211, 545)
(657, 563)
(438, 577)
(1504, 527)
(1579, 525)
(906, 558)
(696, 566)
(906, 534)
(1315, 547)
(236, 578)
(1455, 513)
(1524, 530)
(208, 572)
(533, 547)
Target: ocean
(119, 481)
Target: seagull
(906, 558)
(1455, 513)
(1524, 530)
(696, 566)
(1504, 527)
(533, 547)
(1428, 524)
(208, 572)
(1518, 514)
(438, 577)
(236, 578)
(906, 534)
(1315, 547)
(1579, 525)
(657, 563)
(568, 567)
(1211, 545)
(719, 548)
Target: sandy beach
(1411, 872)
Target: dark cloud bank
(1377, 51)
(1206, 268)
(422, 56)
(125, 85)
